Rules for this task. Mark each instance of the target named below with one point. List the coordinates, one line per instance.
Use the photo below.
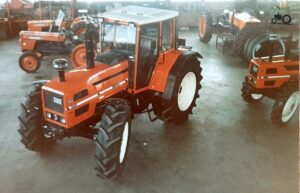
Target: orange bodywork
(104, 81)
(272, 74)
(97, 92)
(28, 38)
(39, 25)
(243, 19)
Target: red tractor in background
(276, 77)
(244, 32)
(142, 67)
(59, 39)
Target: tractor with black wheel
(142, 67)
(243, 31)
(276, 77)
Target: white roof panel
(139, 15)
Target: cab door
(147, 53)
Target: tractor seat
(294, 54)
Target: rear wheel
(205, 28)
(248, 94)
(31, 122)
(286, 19)
(286, 104)
(112, 139)
(185, 92)
(78, 56)
(29, 62)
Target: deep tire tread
(117, 112)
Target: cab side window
(166, 35)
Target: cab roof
(139, 15)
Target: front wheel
(113, 138)
(30, 62)
(31, 124)
(286, 104)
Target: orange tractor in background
(48, 37)
(276, 77)
(244, 34)
(142, 67)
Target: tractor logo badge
(285, 19)
(57, 101)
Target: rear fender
(180, 63)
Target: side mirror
(180, 42)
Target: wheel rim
(256, 96)
(186, 92)
(79, 56)
(290, 106)
(124, 142)
(202, 26)
(29, 63)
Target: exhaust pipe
(89, 46)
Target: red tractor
(276, 77)
(59, 39)
(142, 67)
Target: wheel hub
(186, 91)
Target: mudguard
(176, 69)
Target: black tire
(247, 93)
(206, 35)
(243, 35)
(32, 65)
(282, 97)
(264, 50)
(116, 115)
(31, 123)
(289, 19)
(274, 20)
(169, 111)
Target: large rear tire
(112, 139)
(31, 124)
(184, 96)
(247, 32)
(205, 28)
(286, 104)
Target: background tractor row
(142, 66)
(53, 37)
(241, 29)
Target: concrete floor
(227, 146)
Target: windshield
(119, 38)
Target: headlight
(49, 116)
(75, 37)
(62, 120)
